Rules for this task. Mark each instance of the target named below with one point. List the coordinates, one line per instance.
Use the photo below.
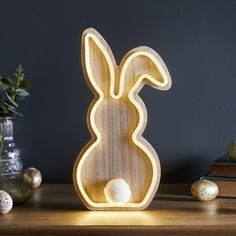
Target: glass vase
(11, 165)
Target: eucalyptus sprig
(11, 92)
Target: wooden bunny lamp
(118, 169)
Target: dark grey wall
(189, 126)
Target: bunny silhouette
(116, 119)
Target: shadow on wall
(187, 169)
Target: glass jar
(11, 165)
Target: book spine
(223, 170)
(227, 186)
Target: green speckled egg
(18, 190)
(231, 151)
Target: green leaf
(4, 81)
(12, 82)
(19, 98)
(25, 84)
(19, 75)
(12, 91)
(3, 86)
(8, 104)
(10, 99)
(8, 84)
(22, 92)
(19, 69)
(15, 113)
(11, 112)
(3, 108)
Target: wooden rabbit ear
(143, 65)
(97, 61)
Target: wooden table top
(55, 209)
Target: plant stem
(13, 97)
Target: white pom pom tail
(117, 191)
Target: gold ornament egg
(33, 177)
(204, 190)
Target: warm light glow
(157, 61)
(111, 218)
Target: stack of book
(223, 173)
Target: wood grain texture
(116, 120)
(56, 210)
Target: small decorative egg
(33, 177)
(204, 190)
(19, 191)
(6, 202)
(117, 191)
(231, 151)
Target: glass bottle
(11, 165)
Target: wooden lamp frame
(118, 86)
